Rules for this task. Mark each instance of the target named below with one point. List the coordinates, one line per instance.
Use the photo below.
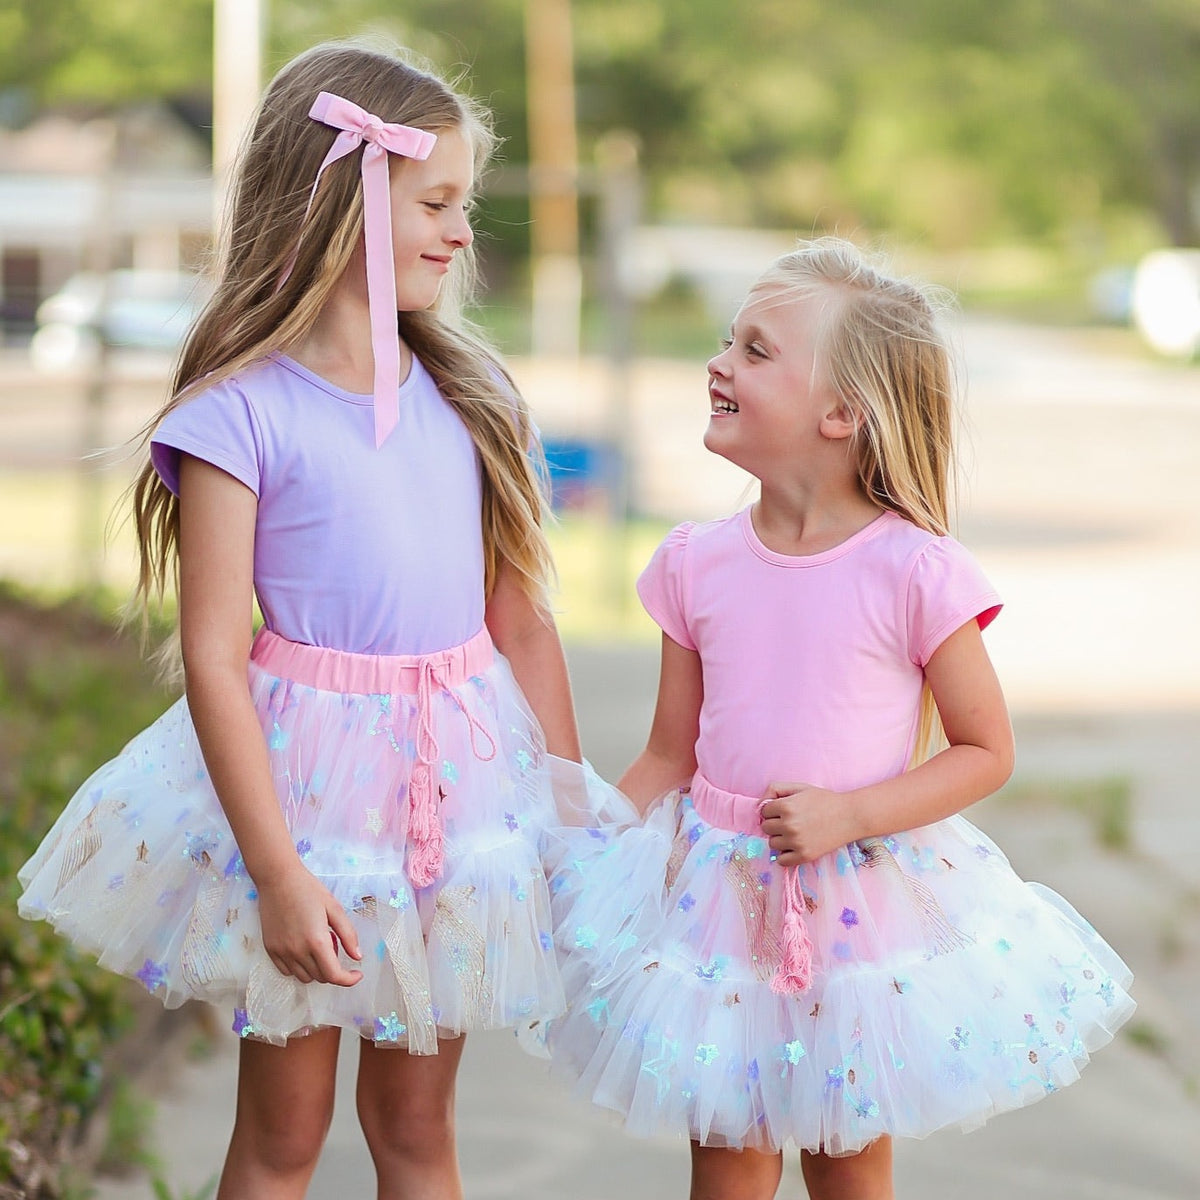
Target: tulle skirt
(943, 988)
(417, 789)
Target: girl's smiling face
(429, 201)
(766, 394)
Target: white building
(131, 190)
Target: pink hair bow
(379, 139)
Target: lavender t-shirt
(813, 665)
(376, 551)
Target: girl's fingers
(279, 963)
(776, 791)
(343, 929)
(301, 972)
(327, 969)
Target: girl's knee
(285, 1103)
(414, 1132)
(282, 1141)
(406, 1103)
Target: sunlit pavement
(1079, 499)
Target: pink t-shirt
(376, 551)
(813, 666)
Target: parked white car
(147, 310)
(1166, 301)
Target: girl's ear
(840, 422)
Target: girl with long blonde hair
(830, 955)
(340, 825)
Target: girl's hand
(302, 925)
(802, 822)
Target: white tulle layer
(142, 871)
(945, 990)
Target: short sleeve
(946, 589)
(217, 426)
(662, 586)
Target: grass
(1147, 1037)
(598, 564)
(40, 545)
(129, 1117)
(1179, 927)
(51, 523)
(163, 1191)
(1105, 803)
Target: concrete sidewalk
(1125, 1132)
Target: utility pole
(237, 67)
(98, 391)
(617, 163)
(553, 177)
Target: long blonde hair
(250, 314)
(881, 347)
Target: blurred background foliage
(61, 1016)
(947, 123)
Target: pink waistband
(419, 675)
(369, 674)
(726, 810)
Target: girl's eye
(755, 349)
(435, 205)
(726, 343)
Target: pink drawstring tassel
(425, 831)
(424, 820)
(795, 971)
(425, 855)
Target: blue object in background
(581, 471)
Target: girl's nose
(716, 364)
(460, 232)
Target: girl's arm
(669, 759)
(805, 822)
(216, 569)
(528, 638)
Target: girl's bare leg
(284, 1106)
(406, 1109)
(720, 1174)
(866, 1175)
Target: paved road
(1079, 501)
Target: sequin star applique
(152, 975)
(389, 1028)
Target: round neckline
(365, 399)
(865, 534)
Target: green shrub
(71, 694)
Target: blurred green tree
(1147, 55)
(952, 122)
(110, 52)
